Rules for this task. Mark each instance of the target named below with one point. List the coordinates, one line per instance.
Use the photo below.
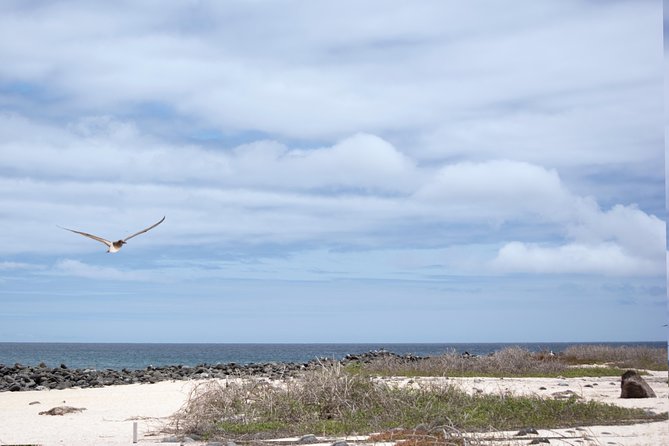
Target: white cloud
(357, 160)
(293, 71)
(620, 241)
(10, 266)
(104, 149)
(601, 259)
(498, 188)
(628, 226)
(579, 125)
(76, 268)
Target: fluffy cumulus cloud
(500, 187)
(573, 258)
(620, 241)
(103, 149)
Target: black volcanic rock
(632, 385)
(20, 377)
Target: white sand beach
(107, 420)
(111, 411)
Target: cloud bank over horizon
(368, 184)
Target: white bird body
(118, 244)
(113, 248)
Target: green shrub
(333, 401)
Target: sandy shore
(107, 420)
(111, 411)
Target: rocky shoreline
(19, 377)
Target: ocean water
(139, 356)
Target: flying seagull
(117, 245)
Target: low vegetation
(334, 401)
(519, 362)
(623, 357)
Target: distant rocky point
(22, 378)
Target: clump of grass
(331, 401)
(325, 401)
(623, 357)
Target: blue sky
(333, 171)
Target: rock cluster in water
(22, 378)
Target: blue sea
(139, 356)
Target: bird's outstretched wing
(85, 234)
(144, 230)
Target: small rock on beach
(62, 410)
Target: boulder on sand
(632, 385)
